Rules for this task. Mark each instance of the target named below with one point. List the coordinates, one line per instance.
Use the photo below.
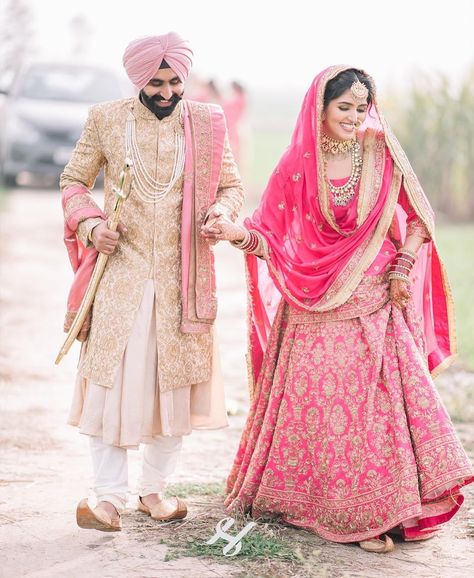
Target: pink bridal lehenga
(347, 435)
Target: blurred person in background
(207, 91)
(148, 371)
(351, 316)
(235, 107)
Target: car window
(69, 84)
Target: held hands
(400, 293)
(217, 227)
(105, 240)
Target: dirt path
(44, 464)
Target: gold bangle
(242, 242)
(397, 275)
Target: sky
(275, 45)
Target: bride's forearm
(413, 243)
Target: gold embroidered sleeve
(87, 158)
(230, 192)
(416, 227)
(84, 230)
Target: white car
(42, 116)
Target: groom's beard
(160, 111)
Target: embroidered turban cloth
(143, 57)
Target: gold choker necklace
(336, 147)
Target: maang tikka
(359, 90)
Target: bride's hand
(400, 293)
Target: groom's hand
(209, 229)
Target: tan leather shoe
(97, 519)
(165, 510)
(381, 545)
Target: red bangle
(404, 255)
(253, 243)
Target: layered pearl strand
(147, 187)
(344, 194)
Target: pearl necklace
(148, 188)
(344, 194)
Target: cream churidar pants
(111, 469)
(134, 411)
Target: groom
(148, 371)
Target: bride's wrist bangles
(402, 265)
(249, 243)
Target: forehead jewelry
(359, 90)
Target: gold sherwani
(151, 248)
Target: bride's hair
(343, 81)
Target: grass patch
(258, 543)
(198, 489)
(455, 244)
(269, 550)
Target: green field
(456, 245)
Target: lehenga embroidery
(328, 392)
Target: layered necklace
(149, 189)
(344, 194)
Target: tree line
(434, 122)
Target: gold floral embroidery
(200, 118)
(371, 294)
(77, 203)
(151, 249)
(329, 422)
(372, 173)
(417, 227)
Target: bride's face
(343, 115)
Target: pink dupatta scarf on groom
(311, 262)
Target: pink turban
(143, 57)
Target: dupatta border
(423, 210)
(207, 127)
(200, 117)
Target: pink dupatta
(204, 129)
(78, 205)
(314, 265)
